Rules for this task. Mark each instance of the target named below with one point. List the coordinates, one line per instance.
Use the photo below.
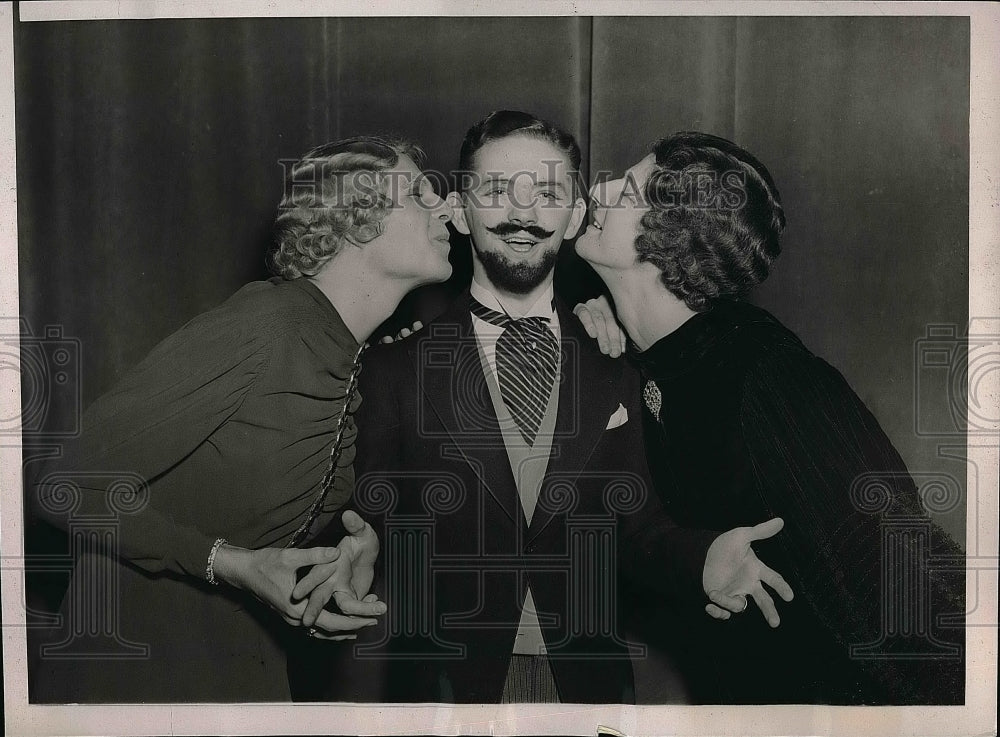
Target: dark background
(148, 165)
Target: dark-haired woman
(745, 424)
(224, 451)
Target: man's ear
(454, 199)
(579, 215)
(365, 233)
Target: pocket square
(619, 418)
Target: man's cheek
(555, 220)
(484, 224)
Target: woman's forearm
(231, 565)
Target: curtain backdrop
(148, 162)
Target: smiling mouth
(520, 244)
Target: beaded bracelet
(210, 568)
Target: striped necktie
(526, 355)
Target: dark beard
(513, 277)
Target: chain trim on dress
(335, 453)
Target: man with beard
(501, 463)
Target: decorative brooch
(653, 398)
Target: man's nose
(522, 211)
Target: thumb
(766, 529)
(353, 523)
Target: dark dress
(230, 421)
(753, 426)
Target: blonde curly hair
(333, 192)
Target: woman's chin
(585, 250)
(592, 255)
(439, 274)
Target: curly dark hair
(333, 192)
(715, 218)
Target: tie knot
(523, 324)
(527, 360)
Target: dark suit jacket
(434, 477)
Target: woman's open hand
(733, 572)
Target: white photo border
(978, 716)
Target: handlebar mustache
(503, 230)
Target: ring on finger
(313, 632)
(745, 604)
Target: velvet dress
(225, 430)
(743, 424)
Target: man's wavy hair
(501, 124)
(334, 192)
(715, 221)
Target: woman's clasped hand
(343, 573)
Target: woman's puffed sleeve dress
(224, 430)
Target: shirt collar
(544, 306)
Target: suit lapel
(587, 398)
(449, 373)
